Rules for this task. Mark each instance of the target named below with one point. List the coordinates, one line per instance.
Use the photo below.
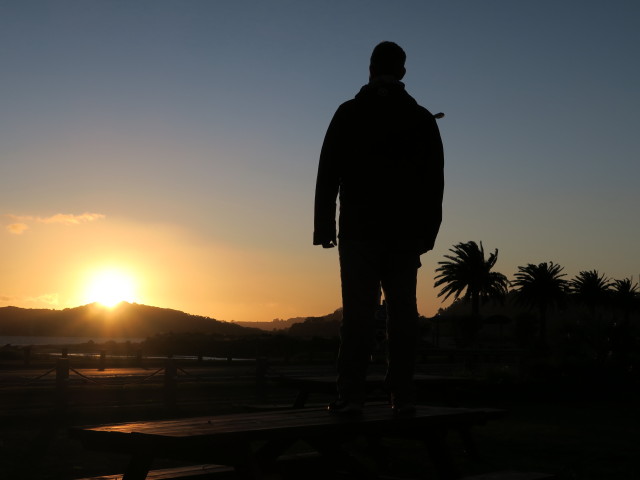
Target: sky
(165, 151)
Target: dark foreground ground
(578, 430)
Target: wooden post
(27, 354)
(139, 358)
(262, 365)
(103, 360)
(62, 383)
(170, 383)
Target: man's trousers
(365, 269)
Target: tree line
(467, 274)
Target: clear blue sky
(190, 131)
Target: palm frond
(467, 270)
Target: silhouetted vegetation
(589, 325)
(541, 287)
(468, 271)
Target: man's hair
(388, 59)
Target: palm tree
(540, 286)
(625, 296)
(623, 341)
(591, 288)
(468, 270)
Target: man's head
(387, 59)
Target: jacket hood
(384, 87)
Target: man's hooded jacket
(383, 155)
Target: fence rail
(168, 377)
(173, 375)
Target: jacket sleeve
(435, 187)
(328, 184)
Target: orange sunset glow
(256, 239)
(110, 287)
(170, 160)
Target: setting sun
(111, 287)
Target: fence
(168, 377)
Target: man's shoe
(345, 408)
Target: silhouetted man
(383, 155)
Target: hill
(124, 320)
(277, 324)
(326, 326)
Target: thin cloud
(69, 219)
(17, 228)
(47, 299)
(21, 222)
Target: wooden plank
(510, 475)
(507, 475)
(217, 472)
(256, 424)
(227, 439)
(183, 473)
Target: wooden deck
(250, 442)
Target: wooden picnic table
(252, 442)
(326, 384)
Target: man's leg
(360, 295)
(399, 279)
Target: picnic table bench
(251, 443)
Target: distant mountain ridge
(125, 320)
(324, 326)
(277, 324)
